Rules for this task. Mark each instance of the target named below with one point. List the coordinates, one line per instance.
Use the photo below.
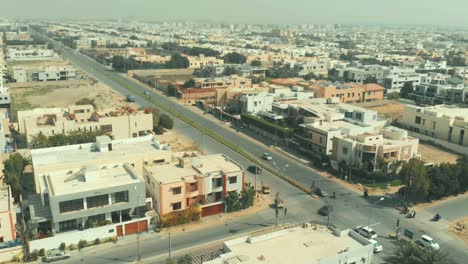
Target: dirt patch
(460, 228)
(177, 142)
(436, 155)
(261, 203)
(387, 109)
(63, 96)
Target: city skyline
(258, 11)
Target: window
(417, 120)
(71, 205)
(46, 199)
(345, 150)
(176, 190)
(98, 200)
(424, 122)
(433, 125)
(359, 116)
(67, 225)
(176, 206)
(232, 180)
(120, 197)
(106, 128)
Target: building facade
(7, 214)
(124, 122)
(445, 122)
(48, 73)
(203, 180)
(348, 92)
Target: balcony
(191, 192)
(369, 148)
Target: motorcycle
(411, 215)
(333, 195)
(436, 217)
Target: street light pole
(138, 223)
(370, 207)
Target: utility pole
(170, 244)
(138, 225)
(330, 209)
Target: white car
(428, 242)
(377, 246)
(267, 156)
(366, 232)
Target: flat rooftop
(82, 179)
(201, 165)
(298, 245)
(88, 152)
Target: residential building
(124, 122)
(42, 74)
(348, 92)
(233, 81)
(203, 180)
(323, 122)
(359, 74)
(444, 122)
(316, 66)
(362, 150)
(6, 137)
(306, 244)
(30, 54)
(255, 102)
(94, 182)
(5, 98)
(7, 214)
(198, 62)
(395, 78)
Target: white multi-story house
(121, 123)
(255, 102)
(47, 73)
(30, 54)
(94, 182)
(444, 122)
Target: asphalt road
(350, 209)
(451, 210)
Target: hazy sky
(437, 12)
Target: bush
(166, 121)
(42, 252)
(72, 247)
(267, 126)
(393, 96)
(192, 213)
(33, 256)
(62, 246)
(17, 258)
(97, 241)
(82, 244)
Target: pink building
(203, 180)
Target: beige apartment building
(204, 180)
(124, 122)
(444, 122)
(198, 62)
(7, 214)
(348, 92)
(391, 144)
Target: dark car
(320, 192)
(324, 210)
(254, 169)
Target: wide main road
(349, 209)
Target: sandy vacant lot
(387, 109)
(436, 155)
(460, 228)
(61, 96)
(177, 142)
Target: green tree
(93, 43)
(433, 257)
(40, 141)
(234, 58)
(166, 121)
(406, 89)
(414, 175)
(27, 231)
(229, 70)
(13, 171)
(133, 37)
(172, 89)
(155, 113)
(177, 61)
(256, 63)
(189, 84)
(393, 96)
(407, 252)
(370, 79)
(187, 259)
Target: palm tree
(433, 257)
(27, 231)
(405, 253)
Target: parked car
(267, 156)
(55, 255)
(146, 92)
(377, 246)
(428, 243)
(366, 232)
(265, 189)
(254, 169)
(324, 210)
(320, 192)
